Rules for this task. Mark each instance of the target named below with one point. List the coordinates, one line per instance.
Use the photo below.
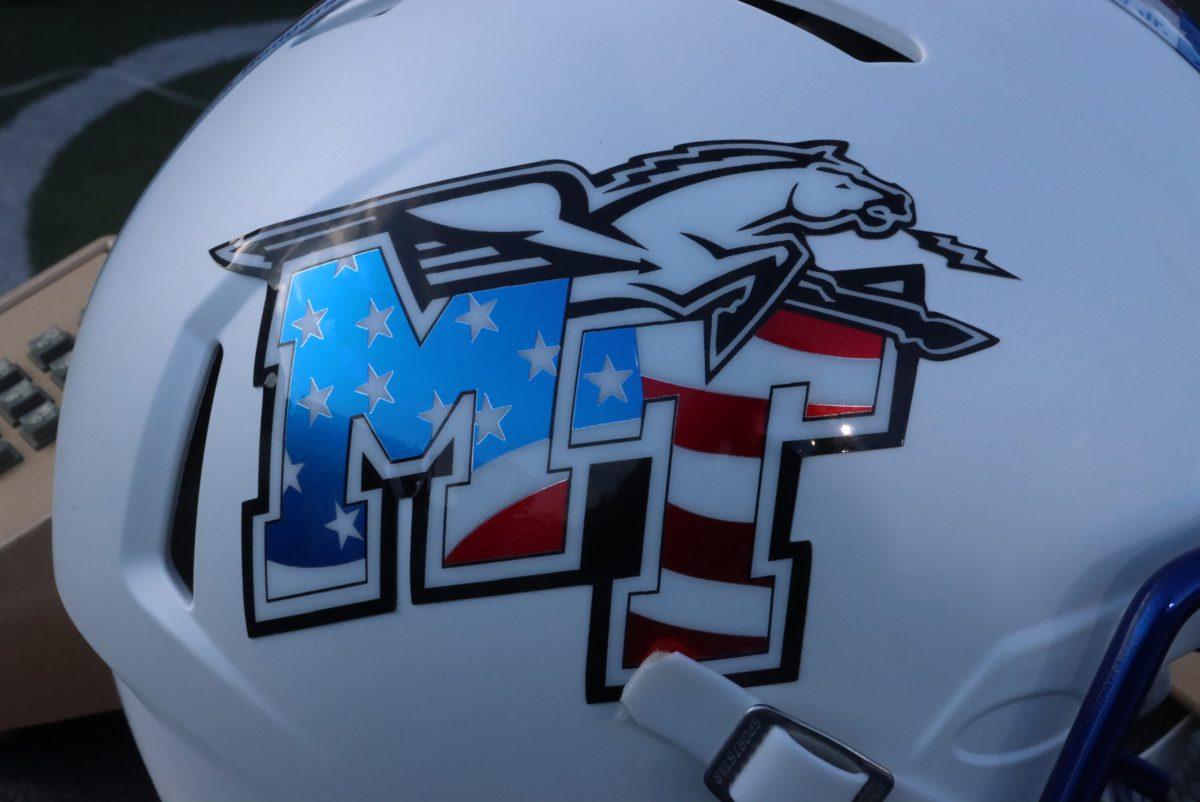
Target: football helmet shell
(465, 354)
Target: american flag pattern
(707, 601)
(540, 378)
(717, 449)
(319, 541)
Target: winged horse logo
(710, 238)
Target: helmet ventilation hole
(853, 41)
(181, 546)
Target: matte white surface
(981, 565)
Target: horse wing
(854, 300)
(493, 229)
(513, 234)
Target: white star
(316, 402)
(436, 413)
(345, 264)
(376, 323)
(376, 388)
(310, 324)
(540, 357)
(609, 381)
(488, 420)
(291, 473)
(343, 524)
(478, 317)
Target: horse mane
(685, 161)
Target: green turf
(37, 37)
(96, 180)
(43, 36)
(11, 104)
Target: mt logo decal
(541, 378)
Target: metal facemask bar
(1091, 756)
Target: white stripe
(288, 580)
(457, 256)
(673, 354)
(707, 606)
(615, 430)
(714, 485)
(496, 486)
(488, 269)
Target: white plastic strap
(697, 709)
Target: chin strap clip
(754, 752)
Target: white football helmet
(813, 382)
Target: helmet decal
(540, 377)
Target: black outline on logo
(852, 297)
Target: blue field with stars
(356, 355)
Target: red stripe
(714, 423)
(833, 410)
(534, 525)
(803, 333)
(644, 636)
(706, 547)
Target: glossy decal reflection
(539, 377)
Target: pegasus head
(835, 193)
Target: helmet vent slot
(182, 544)
(854, 41)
